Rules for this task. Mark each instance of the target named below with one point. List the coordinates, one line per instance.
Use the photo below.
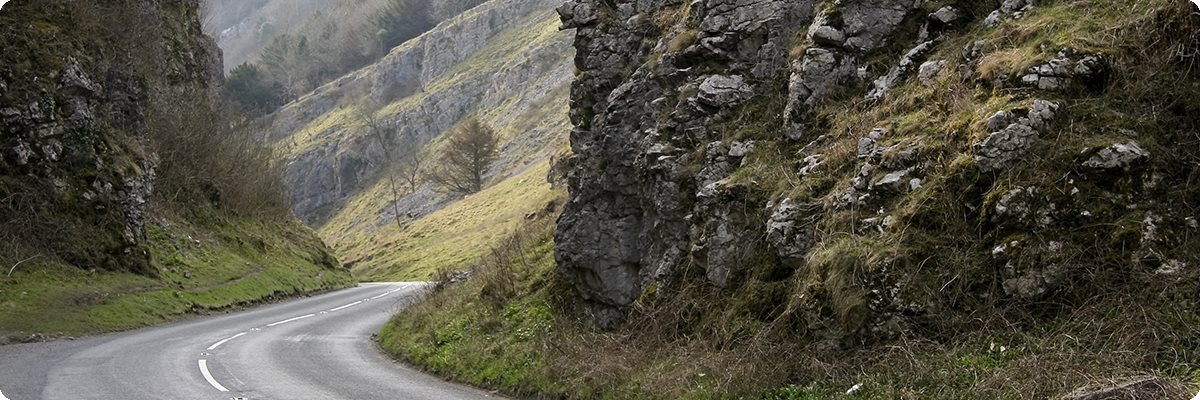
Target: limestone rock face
(1067, 70)
(1119, 155)
(1004, 147)
(681, 109)
(74, 151)
(433, 77)
(788, 233)
(645, 96)
(840, 44)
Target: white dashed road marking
(290, 320)
(208, 376)
(385, 294)
(347, 306)
(218, 344)
(2, 393)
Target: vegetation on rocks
(958, 200)
(115, 149)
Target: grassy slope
(221, 263)
(510, 327)
(454, 237)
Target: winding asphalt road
(313, 348)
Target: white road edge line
(218, 344)
(2, 396)
(208, 376)
(290, 320)
(339, 308)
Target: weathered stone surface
(819, 72)
(895, 181)
(1023, 206)
(867, 26)
(908, 63)
(999, 121)
(1119, 155)
(75, 135)
(725, 91)
(1067, 70)
(866, 145)
(636, 211)
(1035, 283)
(972, 51)
(1014, 9)
(789, 233)
(741, 149)
(828, 36)
(1005, 147)
(946, 15)
(930, 70)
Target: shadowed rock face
(76, 166)
(644, 201)
(673, 98)
(635, 210)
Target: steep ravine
(504, 61)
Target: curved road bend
(312, 348)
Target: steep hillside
(114, 153)
(892, 199)
(504, 61)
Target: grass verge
(220, 263)
(511, 327)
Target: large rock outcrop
(643, 100)
(77, 169)
(806, 142)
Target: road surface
(313, 348)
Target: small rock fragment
(1119, 155)
(930, 70)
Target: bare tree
(382, 134)
(411, 165)
(472, 147)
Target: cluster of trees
(461, 166)
(350, 36)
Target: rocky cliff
(505, 62)
(78, 170)
(497, 60)
(864, 167)
(126, 197)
